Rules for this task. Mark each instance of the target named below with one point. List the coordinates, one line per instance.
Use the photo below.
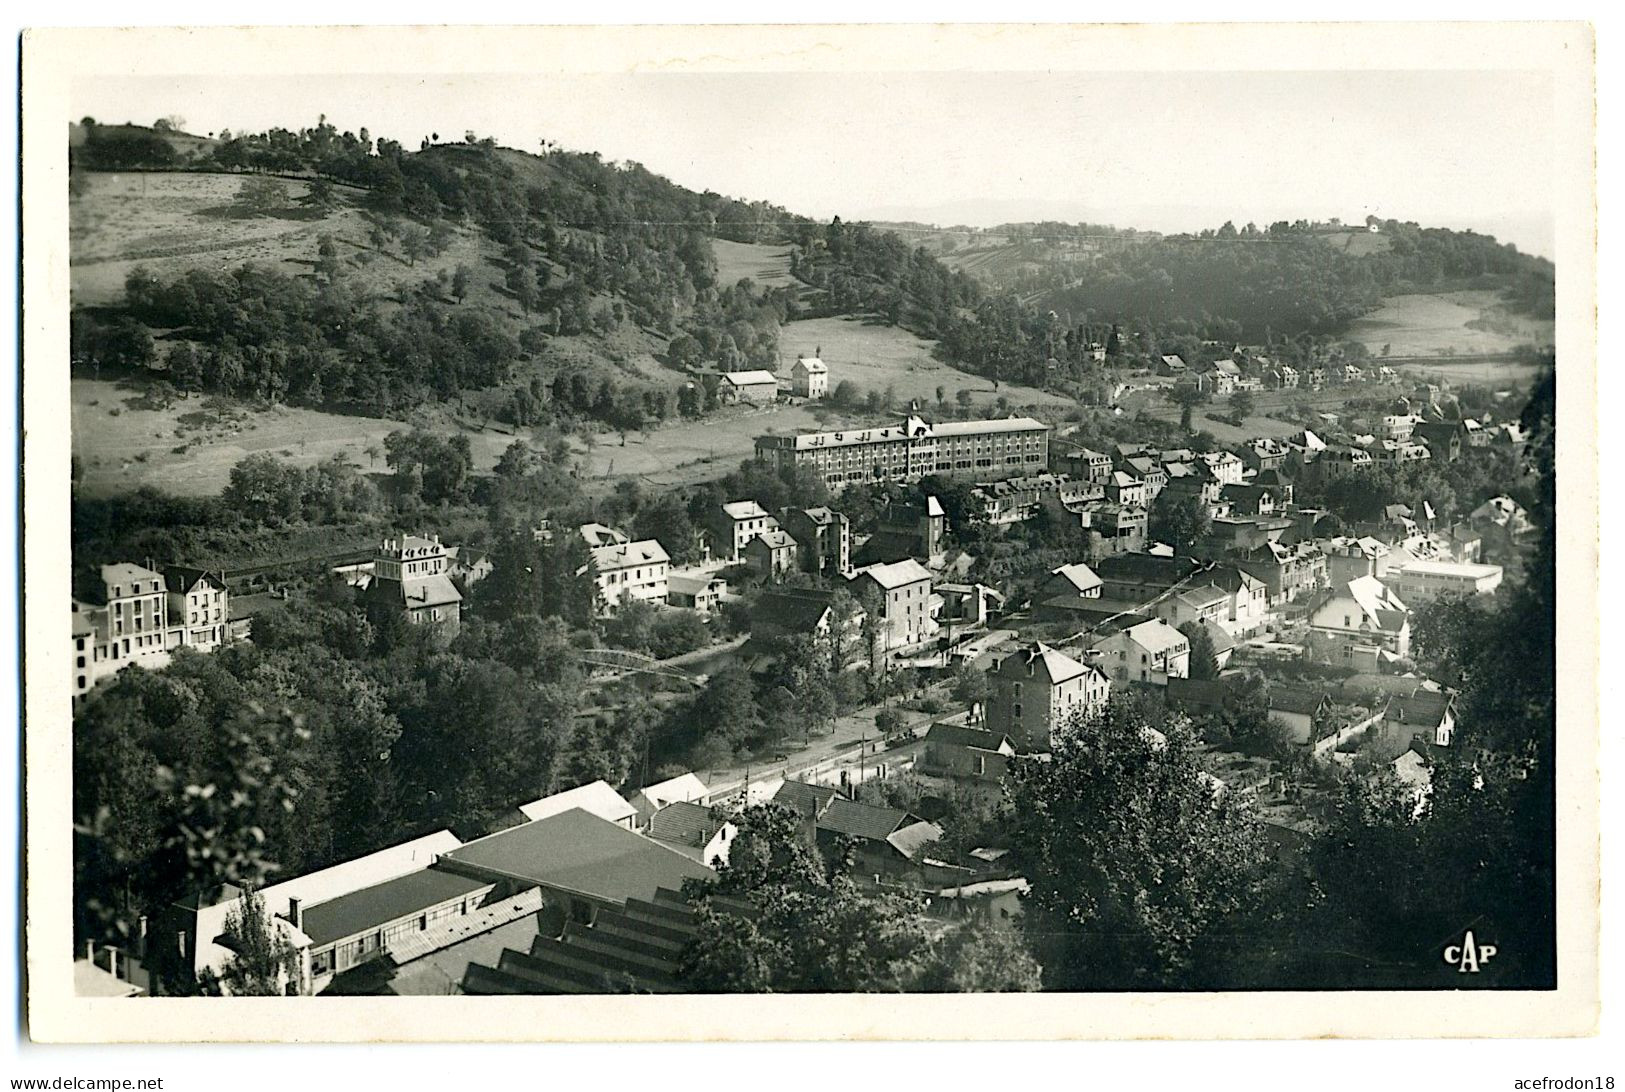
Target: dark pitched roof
(965, 735)
(805, 798)
(686, 823)
(376, 906)
(1422, 707)
(858, 820)
(577, 851)
(182, 578)
(798, 611)
(1292, 700)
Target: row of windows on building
(836, 477)
(626, 577)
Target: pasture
(767, 265)
(876, 356)
(190, 446)
(1471, 323)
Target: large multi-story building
(731, 526)
(145, 616)
(411, 575)
(1035, 690)
(908, 451)
(905, 602)
(631, 571)
(825, 537)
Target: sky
(1160, 151)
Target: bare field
(768, 266)
(123, 447)
(1222, 431)
(691, 451)
(1480, 372)
(1433, 325)
(878, 356)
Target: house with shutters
(773, 555)
(1362, 624)
(907, 609)
(631, 572)
(143, 617)
(809, 377)
(411, 576)
(731, 526)
(825, 537)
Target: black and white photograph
(581, 524)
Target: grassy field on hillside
(1432, 325)
(171, 223)
(768, 266)
(877, 356)
(123, 445)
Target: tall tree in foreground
(815, 931)
(263, 962)
(1178, 520)
(1204, 663)
(1138, 867)
(1401, 881)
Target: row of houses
(144, 615)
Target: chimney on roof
(296, 913)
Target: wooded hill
(553, 287)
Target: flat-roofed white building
(1425, 581)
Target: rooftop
(685, 823)
(965, 735)
(578, 852)
(1079, 575)
(859, 820)
(624, 555)
(1452, 568)
(744, 509)
(691, 583)
(595, 797)
(914, 427)
(799, 609)
(376, 906)
(806, 798)
(1056, 664)
(750, 378)
(1155, 636)
(775, 540)
(126, 572)
(895, 574)
(685, 787)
